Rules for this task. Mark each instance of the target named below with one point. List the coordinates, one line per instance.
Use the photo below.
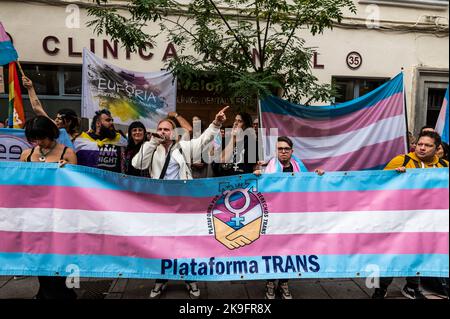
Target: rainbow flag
(365, 133)
(233, 228)
(442, 124)
(7, 51)
(16, 114)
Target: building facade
(382, 39)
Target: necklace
(43, 156)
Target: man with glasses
(103, 146)
(285, 162)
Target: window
(58, 86)
(72, 80)
(428, 96)
(51, 80)
(352, 88)
(435, 100)
(44, 77)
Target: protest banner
(233, 228)
(129, 96)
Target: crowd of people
(176, 151)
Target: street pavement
(104, 288)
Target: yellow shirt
(398, 161)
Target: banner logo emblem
(239, 215)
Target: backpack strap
(166, 163)
(185, 159)
(443, 163)
(407, 159)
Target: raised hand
(27, 83)
(221, 117)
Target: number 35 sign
(354, 60)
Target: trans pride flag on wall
(442, 124)
(365, 133)
(339, 225)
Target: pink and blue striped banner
(231, 228)
(442, 123)
(365, 133)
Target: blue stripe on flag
(278, 106)
(48, 174)
(129, 267)
(7, 53)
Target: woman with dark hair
(65, 118)
(136, 137)
(68, 119)
(241, 154)
(442, 151)
(42, 132)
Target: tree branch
(258, 32)
(263, 54)
(246, 53)
(194, 37)
(278, 58)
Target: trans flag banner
(54, 220)
(13, 142)
(129, 96)
(442, 124)
(362, 134)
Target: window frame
(60, 79)
(426, 78)
(359, 78)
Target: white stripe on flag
(336, 145)
(145, 224)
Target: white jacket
(143, 158)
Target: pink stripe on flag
(385, 200)
(71, 199)
(98, 199)
(207, 246)
(300, 127)
(367, 157)
(3, 36)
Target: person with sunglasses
(102, 146)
